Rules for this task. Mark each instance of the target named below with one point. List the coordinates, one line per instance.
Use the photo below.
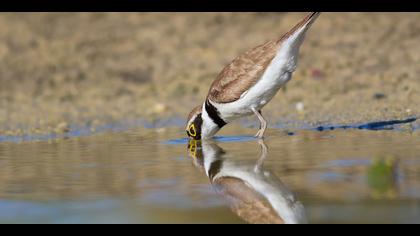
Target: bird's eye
(191, 131)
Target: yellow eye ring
(192, 131)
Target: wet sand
(60, 70)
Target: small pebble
(159, 108)
(300, 106)
(317, 74)
(160, 130)
(379, 96)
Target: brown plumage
(242, 73)
(245, 70)
(245, 202)
(194, 112)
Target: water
(155, 176)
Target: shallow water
(156, 176)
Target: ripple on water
(139, 178)
(222, 139)
(81, 131)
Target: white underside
(274, 191)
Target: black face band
(214, 114)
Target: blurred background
(75, 74)
(91, 69)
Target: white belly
(256, 97)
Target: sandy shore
(91, 69)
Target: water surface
(156, 176)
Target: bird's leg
(263, 156)
(263, 124)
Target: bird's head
(195, 123)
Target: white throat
(208, 128)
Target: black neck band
(214, 114)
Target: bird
(253, 192)
(248, 83)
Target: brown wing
(242, 73)
(246, 202)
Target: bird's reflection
(254, 193)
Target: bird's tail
(290, 43)
(301, 27)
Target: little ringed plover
(248, 83)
